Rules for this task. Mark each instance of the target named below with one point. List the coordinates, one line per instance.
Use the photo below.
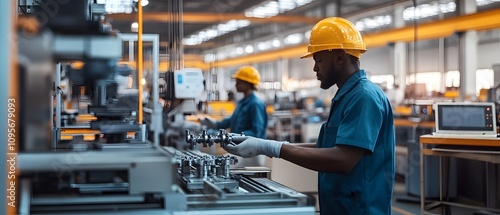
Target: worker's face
(327, 68)
(241, 86)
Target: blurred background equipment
(103, 93)
(84, 146)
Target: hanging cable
(174, 49)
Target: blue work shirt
(250, 117)
(360, 116)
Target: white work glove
(255, 146)
(209, 122)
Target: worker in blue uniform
(250, 116)
(354, 154)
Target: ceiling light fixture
(134, 27)
(249, 49)
(215, 31)
(428, 10)
(373, 22)
(239, 50)
(273, 8)
(293, 38)
(276, 43)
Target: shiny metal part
(195, 170)
(223, 138)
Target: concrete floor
(402, 204)
(305, 180)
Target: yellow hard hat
(335, 33)
(248, 74)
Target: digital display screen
(465, 117)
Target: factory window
(432, 80)
(384, 81)
(452, 79)
(484, 79)
(269, 85)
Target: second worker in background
(250, 116)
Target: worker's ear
(339, 57)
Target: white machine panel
(188, 83)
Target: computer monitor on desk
(465, 119)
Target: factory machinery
(144, 179)
(118, 173)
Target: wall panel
(488, 55)
(376, 61)
(301, 68)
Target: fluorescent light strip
(215, 31)
(268, 9)
(275, 7)
(373, 22)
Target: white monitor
(465, 118)
(188, 83)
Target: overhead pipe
(213, 17)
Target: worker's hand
(254, 146)
(208, 122)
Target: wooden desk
(433, 146)
(411, 123)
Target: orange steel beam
(438, 29)
(213, 17)
(163, 67)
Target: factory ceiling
(202, 14)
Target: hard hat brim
(245, 80)
(308, 55)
